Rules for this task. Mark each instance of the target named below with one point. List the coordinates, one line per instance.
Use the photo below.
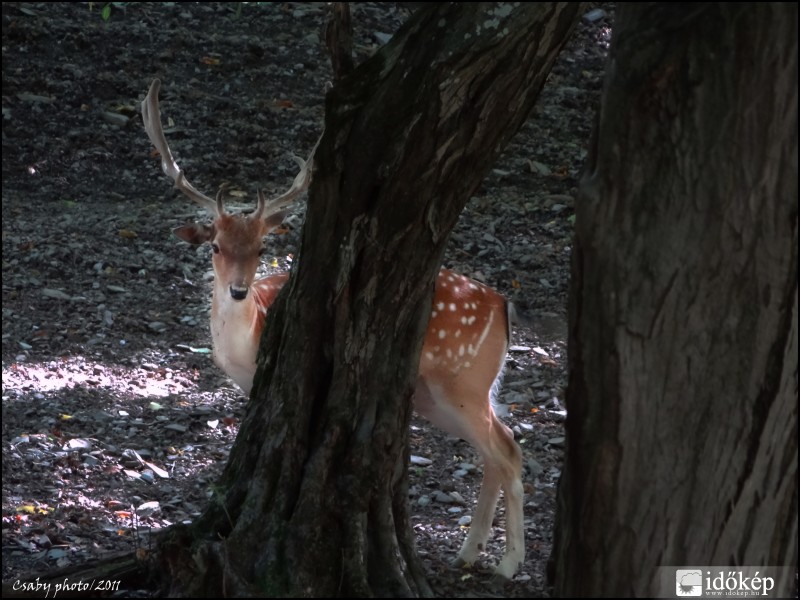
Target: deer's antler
(300, 184)
(151, 115)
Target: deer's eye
(215, 248)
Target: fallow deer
(462, 356)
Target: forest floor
(115, 421)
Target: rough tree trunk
(313, 501)
(682, 396)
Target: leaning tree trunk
(313, 501)
(682, 395)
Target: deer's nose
(238, 292)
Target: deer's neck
(236, 327)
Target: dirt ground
(116, 422)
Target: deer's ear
(273, 221)
(195, 233)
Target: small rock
(115, 119)
(519, 348)
(148, 508)
(443, 497)
(176, 427)
(56, 294)
(535, 468)
(540, 168)
(594, 15)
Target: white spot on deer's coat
(440, 306)
(442, 334)
(453, 307)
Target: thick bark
(314, 501)
(682, 396)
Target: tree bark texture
(682, 394)
(314, 501)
